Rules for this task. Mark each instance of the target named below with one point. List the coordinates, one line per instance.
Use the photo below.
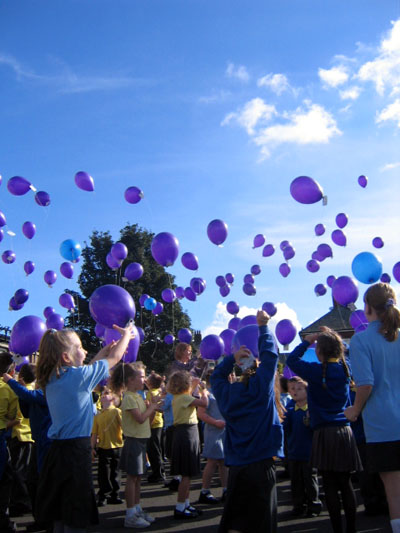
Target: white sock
(187, 503)
(179, 478)
(180, 506)
(130, 512)
(395, 523)
(138, 508)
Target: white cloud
(384, 70)
(239, 72)
(391, 112)
(333, 77)
(215, 97)
(253, 112)
(277, 83)
(390, 166)
(352, 93)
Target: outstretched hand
(125, 331)
(243, 352)
(262, 318)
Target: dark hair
(330, 345)
(28, 373)
(6, 360)
(382, 298)
(180, 348)
(154, 381)
(283, 382)
(122, 373)
(179, 382)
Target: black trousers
(20, 453)
(5, 481)
(303, 484)
(108, 473)
(154, 452)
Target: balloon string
(172, 304)
(155, 337)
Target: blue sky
(212, 109)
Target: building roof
(338, 319)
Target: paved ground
(160, 502)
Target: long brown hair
(382, 298)
(53, 344)
(330, 345)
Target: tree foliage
(95, 273)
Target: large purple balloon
(133, 271)
(248, 320)
(190, 294)
(341, 220)
(50, 277)
(269, 308)
(29, 267)
(190, 261)
(42, 198)
(255, 270)
(66, 300)
(268, 250)
(84, 181)
(345, 290)
(26, 335)
(284, 270)
(230, 278)
(212, 347)
(198, 285)
(3, 220)
(396, 272)
(165, 249)
(232, 308)
(234, 323)
(100, 331)
(111, 304)
(18, 186)
(285, 331)
(324, 250)
(377, 242)
(319, 230)
(248, 278)
(246, 336)
(29, 229)
(8, 257)
(168, 295)
(338, 237)
(312, 265)
(249, 289)
(227, 336)
(55, 321)
(67, 269)
(119, 251)
(357, 318)
(169, 339)
(185, 335)
(224, 291)
(113, 263)
(258, 240)
(320, 289)
(306, 190)
(362, 181)
(21, 296)
(217, 231)
(130, 355)
(133, 195)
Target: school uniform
(154, 444)
(185, 459)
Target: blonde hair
(53, 344)
(382, 298)
(122, 373)
(179, 382)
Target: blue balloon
(150, 304)
(366, 267)
(70, 250)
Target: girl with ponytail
(375, 359)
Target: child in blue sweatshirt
(334, 450)
(253, 437)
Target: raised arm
(113, 352)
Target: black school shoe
(172, 485)
(114, 500)
(208, 498)
(185, 515)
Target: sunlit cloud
(352, 93)
(253, 113)
(333, 77)
(391, 112)
(390, 166)
(239, 72)
(277, 83)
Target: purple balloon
(319, 230)
(66, 300)
(330, 280)
(324, 250)
(255, 270)
(185, 335)
(385, 278)
(198, 285)
(169, 339)
(227, 336)
(212, 347)
(190, 261)
(8, 257)
(14, 306)
(361, 327)
(141, 333)
(341, 220)
(284, 270)
(285, 331)
(47, 311)
(180, 292)
(159, 308)
(249, 289)
(26, 335)
(230, 278)
(284, 244)
(18, 186)
(258, 240)
(345, 290)
(190, 294)
(338, 237)
(306, 190)
(217, 231)
(133, 195)
(248, 320)
(234, 323)
(312, 265)
(67, 269)
(268, 250)
(21, 296)
(23, 361)
(111, 304)
(3, 220)
(362, 181)
(396, 272)
(224, 291)
(84, 181)
(99, 331)
(357, 318)
(130, 355)
(248, 278)
(232, 308)
(377, 242)
(320, 289)
(113, 263)
(42, 198)
(269, 308)
(168, 295)
(289, 253)
(50, 277)
(246, 336)
(119, 251)
(165, 249)
(220, 281)
(29, 229)
(287, 373)
(29, 267)
(133, 271)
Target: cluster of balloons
(116, 256)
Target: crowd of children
(51, 432)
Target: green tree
(95, 273)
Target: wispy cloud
(239, 72)
(253, 113)
(390, 166)
(277, 83)
(390, 112)
(215, 97)
(352, 93)
(333, 77)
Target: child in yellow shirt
(154, 447)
